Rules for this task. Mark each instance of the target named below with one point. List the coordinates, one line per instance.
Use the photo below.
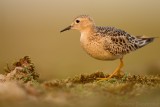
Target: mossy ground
(21, 86)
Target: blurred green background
(31, 27)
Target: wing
(117, 42)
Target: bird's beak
(67, 28)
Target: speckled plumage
(119, 42)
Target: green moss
(22, 70)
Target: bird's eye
(77, 21)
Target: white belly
(94, 47)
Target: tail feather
(144, 41)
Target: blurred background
(31, 27)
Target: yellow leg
(116, 71)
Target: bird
(106, 43)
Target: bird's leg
(116, 72)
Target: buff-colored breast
(94, 46)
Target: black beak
(67, 28)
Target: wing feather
(117, 42)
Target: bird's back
(119, 42)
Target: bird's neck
(88, 30)
(86, 34)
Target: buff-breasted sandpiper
(106, 43)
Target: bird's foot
(119, 74)
(103, 79)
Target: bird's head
(81, 23)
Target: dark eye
(77, 21)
